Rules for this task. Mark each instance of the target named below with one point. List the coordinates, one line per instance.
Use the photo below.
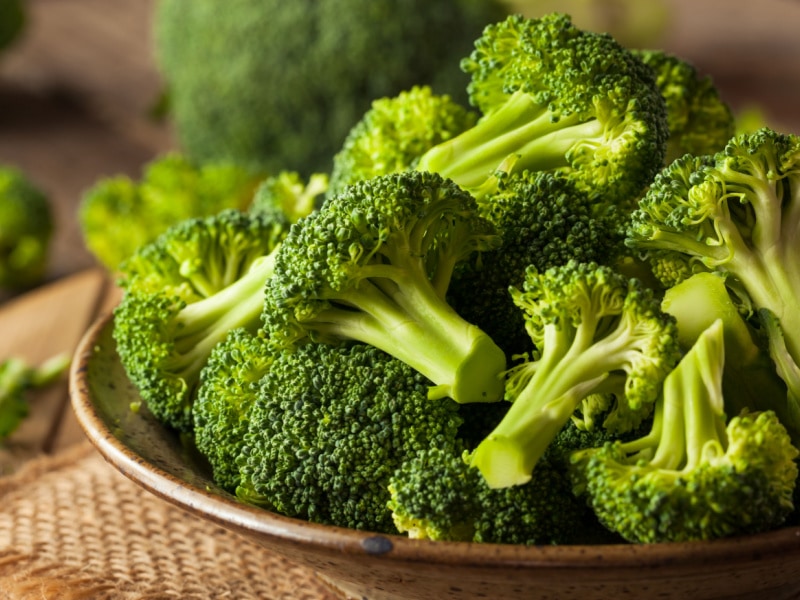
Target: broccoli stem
(202, 325)
(519, 127)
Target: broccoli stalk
(183, 294)
(374, 264)
(595, 332)
(692, 477)
(560, 99)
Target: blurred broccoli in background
(12, 21)
(118, 214)
(26, 228)
(279, 84)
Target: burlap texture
(73, 528)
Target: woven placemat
(73, 528)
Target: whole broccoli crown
(744, 488)
(544, 221)
(330, 426)
(287, 196)
(26, 227)
(595, 307)
(232, 95)
(118, 215)
(395, 132)
(228, 387)
(699, 121)
(183, 292)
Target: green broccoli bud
(288, 196)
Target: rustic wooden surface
(74, 99)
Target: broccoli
(225, 393)
(26, 230)
(694, 476)
(395, 132)
(13, 20)
(19, 376)
(288, 196)
(279, 84)
(560, 99)
(118, 215)
(595, 332)
(544, 221)
(734, 212)
(699, 120)
(183, 293)
(373, 265)
(328, 427)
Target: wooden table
(74, 100)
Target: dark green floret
(228, 388)
(329, 427)
(374, 265)
(699, 120)
(694, 476)
(183, 293)
(395, 132)
(26, 230)
(559, 99)
(737, 212)
(595, 332)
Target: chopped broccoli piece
(699, 120)
(737, 212)
(693, 477)
(329, 427)
(227, 389)
(118, 215)
(373, 265)
(595, 331)
(18, 377)
(26, 229)
(279, 84)
(288, 196)
(183, 293)
(544, 221)
(395, 132)
(559, 99)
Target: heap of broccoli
(568, 317)
(26, 230)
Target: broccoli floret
(373, 265)
(227, 389)
(118, 215)
(19, 376)
(329, 427)
(288, 196)
(693, 477)
(279, 84)
(699, 120)
(737, 212)
(183, 293)
(544, 221)
(395, 132)
(595, 331)
(26, 229)
(560, 99)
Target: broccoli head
(559, 99)
(26, 230)
(118, 215)
(395, 132)
(595, 332)
(374, 264)
(183, 293)
(693, 476)
(279, 84)
(330, 425)
(699, 120)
